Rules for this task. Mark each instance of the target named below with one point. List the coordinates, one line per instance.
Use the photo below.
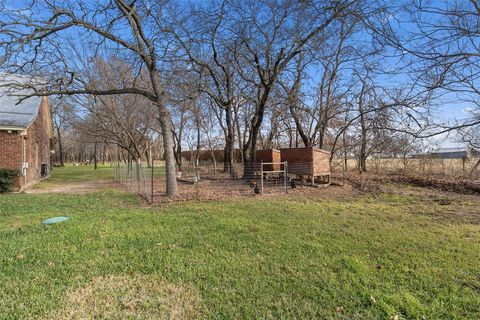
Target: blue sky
(449, 108)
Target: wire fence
(216, 180)
(136, 178)
(213, 180)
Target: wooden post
(285, 171)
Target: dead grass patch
(132, 297)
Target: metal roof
(450, 149)
(13, 112)
(18, 115)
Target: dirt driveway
(76, 188)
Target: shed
(269, 155)
(451, 153)
(307, 162)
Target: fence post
(285, 172)
(197, 181)
(151, 189)
(138, 177)
(131, 175)
(261, 177)
(144, 180)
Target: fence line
(136, 178)
(212, 181)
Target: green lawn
(368, 257)
(73, 174)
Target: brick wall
(37, 148)
(307, 161)
(10, 150)
(38, 145)
(269, 155)
(11, 153)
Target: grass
(369, 257)
(74, 174)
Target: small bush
(7, 178)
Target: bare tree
(127, 120)
(61, 113)
(204, 36)
(440, 53)
(37, 44)
(269, 46)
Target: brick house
(26, 137)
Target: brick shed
(307, 162)
(25, 138)
(269, 155)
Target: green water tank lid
(54, 220)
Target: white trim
(6, 128)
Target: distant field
(445, 167)
(410, 255)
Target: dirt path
(76, 188)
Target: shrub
(7, 178)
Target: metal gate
(273, 177)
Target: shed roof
(13, 112)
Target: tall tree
(272, 34)
(37, 44)
(204, 36)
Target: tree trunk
(166, 125)
(148, 155)
(293, 102)
(229, 141)
(197, 154)
(321, 136)
(290, 137)
(104, 152)
(60, 147)
(239, 133)
(472, 172)
(362, 159)
(178, 154)
(251, 145)
(177, 144)
(95, 155)
(345, 153)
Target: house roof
(450, 149)
(13, 112)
